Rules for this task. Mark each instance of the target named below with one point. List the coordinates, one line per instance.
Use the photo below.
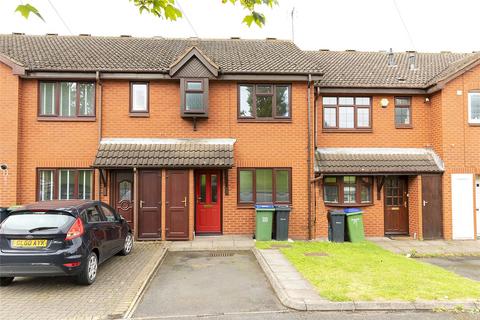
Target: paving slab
(430, 247)
(118, 283)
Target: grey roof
(128, 54)
(165, 153)
(371, 69)
(377, 161)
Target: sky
(367, 25)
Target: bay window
(194, 97)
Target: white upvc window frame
(470, 119)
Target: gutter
(309, 157)
(99, 85)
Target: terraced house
(184, 136)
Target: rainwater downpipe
(309, 158)
(99, 85)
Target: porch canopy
(164, 153)
(377, 161)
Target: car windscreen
(32, 221)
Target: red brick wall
(9, 131)
(74, 144)
(460, 140)
(383, 134)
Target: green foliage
(167, 9)
(366, 272)
(26, 9)
(159, 8)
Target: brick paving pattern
(118, 281)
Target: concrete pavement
(430, 247)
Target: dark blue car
(61, 237)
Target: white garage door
(462, 206)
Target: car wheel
(89, 271)
(5, 281)
(128, 245)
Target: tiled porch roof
(165, 153)
(372, 161)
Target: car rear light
(76, 230)
(72, 264)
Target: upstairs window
(194, 96)
(66, 99)
(474, 107)
(264, 101)
(403, 113)
(139, 94)
(347, 113)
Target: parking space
(208, 283)
(468, 267)
(118, 281)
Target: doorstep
(297, 293)
(209, 243)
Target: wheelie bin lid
(336, 212)
(283, 207)
(264, 207)
(352, 211)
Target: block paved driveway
(118, 281)
(199, 284)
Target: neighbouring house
(184, 136)
(398, 134)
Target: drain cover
(221, 254)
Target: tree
(166, 9)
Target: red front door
(208, 202)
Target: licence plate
(37, 243)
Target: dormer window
(194, 97)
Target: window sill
(64, 119)
(472, 124)
(347, 130)
(252, 206)
(264, 121)
(351, 205)
(139, 114)
(403, 127)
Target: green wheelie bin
(355, 229)
(264, 220)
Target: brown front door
(176, 225)
(396, 205)
(122, 195)
(432, 221)
(149, 204)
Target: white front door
(478, 205)
(462, 207)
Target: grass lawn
(364, 271)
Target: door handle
(425, 203)
(184, 201)
(141, 203)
